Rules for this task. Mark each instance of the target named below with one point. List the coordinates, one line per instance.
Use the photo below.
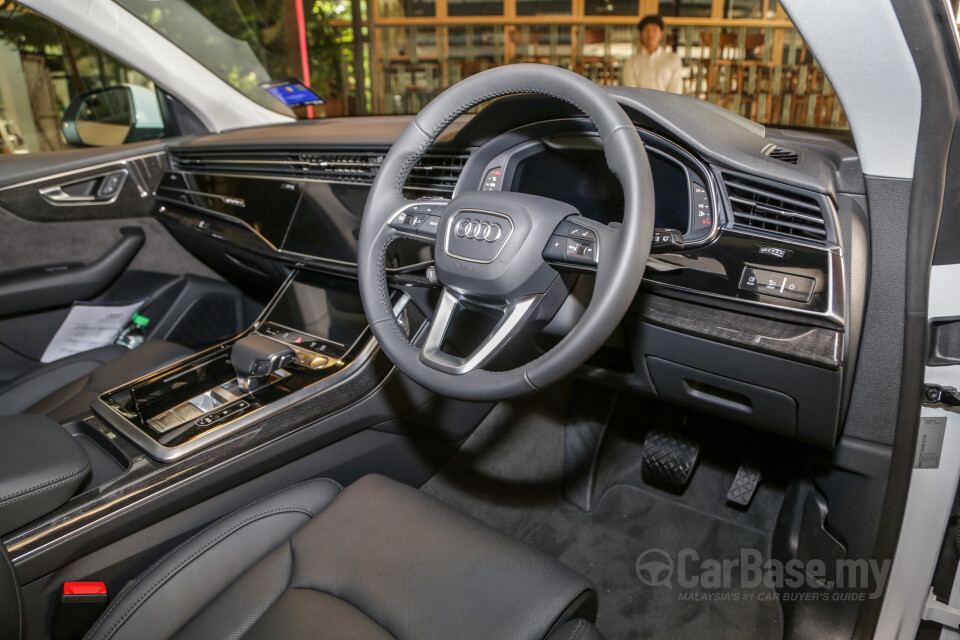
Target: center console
(304, 391)
(313, 329)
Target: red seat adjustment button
(84, 588)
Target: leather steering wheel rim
(625, 248)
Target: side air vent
(779, 153)
(758, 205)
(436, 173)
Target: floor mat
(605, 545)
(509, 473)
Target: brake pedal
(744, 485)
(669, 457)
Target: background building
(392, 56)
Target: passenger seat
(64, 389)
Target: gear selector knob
(255, 357)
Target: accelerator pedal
(744, 485)
(669, 458)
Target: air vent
(436, 173)
(779, 153)
(758, 205)
(334, 165)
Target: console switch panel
(777, 284)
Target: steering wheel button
(429, 226)
(556, 249)
(408, 220)
(581, 252)
(571, 230)
(400, 221)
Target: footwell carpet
(632, 546)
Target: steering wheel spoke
(513, 315)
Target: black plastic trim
(43, 288)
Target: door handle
(100, 189)
(56, 195)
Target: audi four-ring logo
(478, 230)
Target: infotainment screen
(326, 223)
(583, 179)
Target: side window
(58, 91)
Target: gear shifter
(255, 357)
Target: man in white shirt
(654, 67)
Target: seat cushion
(382, 560)
(64, 389)
(225, 577)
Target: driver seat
(376, 560)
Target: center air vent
(774, 209)
(436, 173)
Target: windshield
(393, 56)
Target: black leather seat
(63, 389)
(379, 560)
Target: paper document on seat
(87, 327)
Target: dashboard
(753, 281)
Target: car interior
(442, 376)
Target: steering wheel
(490, 246)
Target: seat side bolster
(182, 583)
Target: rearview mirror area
(113, 116)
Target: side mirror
(113, 116)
